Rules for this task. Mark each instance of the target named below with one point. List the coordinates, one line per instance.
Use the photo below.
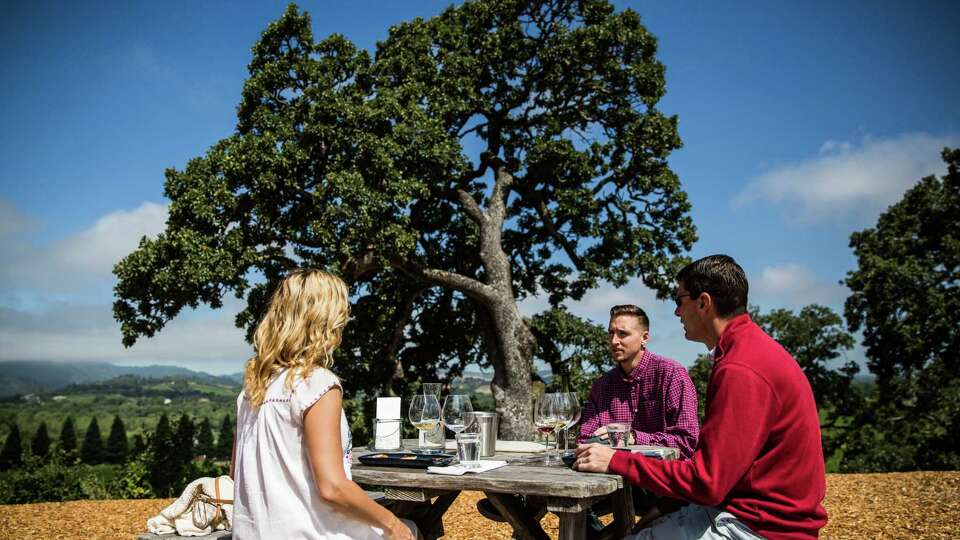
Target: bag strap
(216, 488)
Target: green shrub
(132, 480)
(37, 481)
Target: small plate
(406, 459)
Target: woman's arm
(321, 430)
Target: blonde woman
(291, 455)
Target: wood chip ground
(882, 506)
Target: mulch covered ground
(898, 505)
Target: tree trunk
(512, 368)
(515, 342)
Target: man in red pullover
(758, 467)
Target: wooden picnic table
(425, 497)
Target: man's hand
(593, 458)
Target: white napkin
(459, 470)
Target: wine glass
(455, 409)
(546, 417)
(573, 404)
(424, 414)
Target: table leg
(573, 526)
(427, 515)
(433, 521)
(624, 514)
(524, 526)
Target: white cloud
(794, 286)
(80, 259)
(54, 305)
(66, 332)
(845, 177)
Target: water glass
(618, 434)
(468, 449)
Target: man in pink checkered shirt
(650, 393)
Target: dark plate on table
(406, 459)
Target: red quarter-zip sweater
(759, 455)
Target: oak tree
(501, 149)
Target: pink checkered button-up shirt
(658, 400)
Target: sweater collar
(729, 335)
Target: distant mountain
(21, 377)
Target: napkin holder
(387, 426)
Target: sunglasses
(679, 298)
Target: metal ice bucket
(487, 425)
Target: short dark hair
(722, 278)
(633, 311)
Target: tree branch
(470, 206)
(359, 265)
(477, 290)
(568, 248)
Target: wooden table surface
(424, 497)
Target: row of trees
(169, 446)
(157, 465)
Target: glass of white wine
(424, 414)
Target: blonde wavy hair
(299, 332)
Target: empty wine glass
(455, 409)
(424, 413)
(572, 406)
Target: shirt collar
(637, 372)
(727, 338)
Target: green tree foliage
(138, 445)
(500, 149)
(92, 451)
(163, 464)
(700, 373)
(185, 440)
(205, 445)
(224, 449)
(133, 479)
(68, 437)
(575, 349)
(906, 290)
(12, 453)
(39, 480)
(40, 444)
(117, 446)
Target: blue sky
(801, 122)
